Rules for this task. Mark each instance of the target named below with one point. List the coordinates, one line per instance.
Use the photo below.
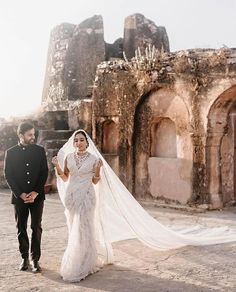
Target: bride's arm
(96, 176)
(64, 175)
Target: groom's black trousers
(22, 211)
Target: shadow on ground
(120, 279)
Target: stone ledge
(200, 209)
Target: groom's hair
(24, 127)
(83, 133)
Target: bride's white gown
(81, 256)
(110, 213)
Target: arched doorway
(221, 149)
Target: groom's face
(28, 137)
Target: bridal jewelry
(81, 157)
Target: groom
(26, 172)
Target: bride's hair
(84, 134)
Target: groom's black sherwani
(26, 170)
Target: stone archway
(161, 122)
(220, 153)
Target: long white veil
(120, 216)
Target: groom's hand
(24, 196)
(31, 197)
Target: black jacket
(26, 170)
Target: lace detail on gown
(81, 257)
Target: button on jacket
(26, 170)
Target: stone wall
(195, 89)
(74, 53)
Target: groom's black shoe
(24, 265)
(36, 267)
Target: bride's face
(80, 142)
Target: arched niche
(162, 147)
(163, 139)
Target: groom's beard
(29, 141)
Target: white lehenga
(96, 219)
(81, 257)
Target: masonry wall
(181, 87)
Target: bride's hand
(55, 161)
(99, 164)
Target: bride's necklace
(80, 157)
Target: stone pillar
(199, 169)
(214, 172)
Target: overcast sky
(25, 27)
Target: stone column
(199, 169)
(214, 171)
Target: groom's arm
(43, 173)
(8, 172)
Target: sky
(25, 27)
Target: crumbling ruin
(172, 116)
(164, 121)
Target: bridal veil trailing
(118, 216)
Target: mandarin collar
(24, 146)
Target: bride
(100, 210)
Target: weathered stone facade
(76, 50)
(73, 56)
(173, 116)
(74, 53)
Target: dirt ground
(136, 267)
